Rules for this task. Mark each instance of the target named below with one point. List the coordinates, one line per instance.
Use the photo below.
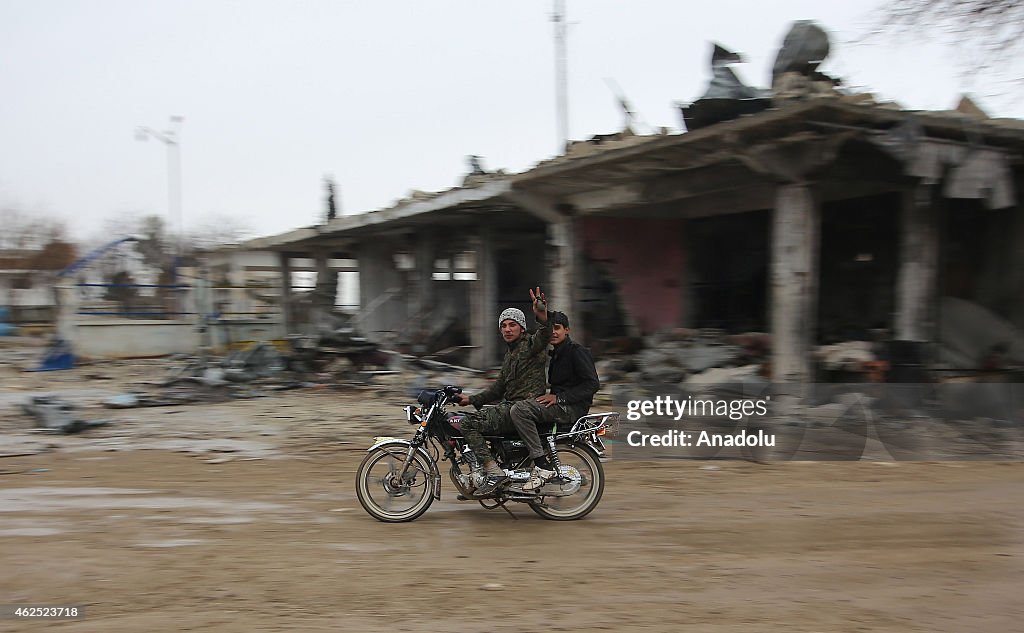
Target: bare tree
(25, 231)
(219, 229)
(993, 29)
(34, 242)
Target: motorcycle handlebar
(452, 390)
(427, 397)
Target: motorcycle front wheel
(383, 495)
(576, 492)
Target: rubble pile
(689, 357)
(54, 414)
(845, 356)
(795, 77)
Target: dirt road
(151, 540)
(241, 516)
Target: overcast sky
(385, 95)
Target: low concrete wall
(127, 338)
(130, 338)
(224, 333)
(96, 336)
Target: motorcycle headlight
(426, 397)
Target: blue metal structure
(94, 255)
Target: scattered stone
(745, 375)
(703, 356)
(845, 356)
(54, 414)
(123, 401)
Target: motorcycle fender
(380, 441)
(435, 474)
(586, 443)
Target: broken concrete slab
(746, 375)
(845, 356)
(55, 414)
(123, 401)
(702, 356)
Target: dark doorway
(858, 263)
(728, 262)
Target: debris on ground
(123, 401)
(58, 357)
(742, 375)
(845, 356)
(675, 356)
(53, 414)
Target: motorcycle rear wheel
(387, 499)
(583, 468)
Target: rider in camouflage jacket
(522, 377)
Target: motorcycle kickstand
(498, 505)
(509, 512)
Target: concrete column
(562, 265)
(1014, 283)
(919, 263)
(483, 298)
(286, 292)
(794, 282)
(423, 290)
(382, 310)
(326, 289)
(68, 300)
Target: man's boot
(542, 473)
(495, 478)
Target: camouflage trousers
(527, 415)
(488, 421)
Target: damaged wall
(646, 257)
(983, 258)
(383, 312)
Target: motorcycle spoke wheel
(577, 491)
(387, 498)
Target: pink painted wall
(647, 258)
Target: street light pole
(170, 137)
(561, 76)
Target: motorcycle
(399, 479)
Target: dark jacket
(572, 375)
(522, 371)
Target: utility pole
(170, 137)
(561, 75)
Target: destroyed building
(26, 280)
(813, 215)
(817, 221)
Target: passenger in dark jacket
(573, 379)
(521, 378)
